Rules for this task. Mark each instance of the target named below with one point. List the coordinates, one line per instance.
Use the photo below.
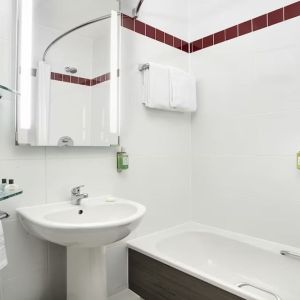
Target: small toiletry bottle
(3, 184)
(122, 160)
(10, 187)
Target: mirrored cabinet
(68, 73)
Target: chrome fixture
(289, 253)
(3, 215)
(241, 285)
(76, 196)
(144, 67)
(135, 11)
(65, 141)
(71, 70)
(72, 30)
(2, 87)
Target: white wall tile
(246, 134)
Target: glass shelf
(6, 195)
(5, 90)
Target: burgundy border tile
(208, 41)
(219, 37)
(245, 27)
(127, 22)
(197, 45)
(231, 33)
(169, 39)
(58, 76)
(177, 43)
(66, 78)
(275, 16)
(292, 10)
(185, 46)
(88, 82)
(260, 22)
(81, 81)
(52, 75)
(140, 27)
(150, 32)
(74, 79)
(160, 36)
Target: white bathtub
(227, 260)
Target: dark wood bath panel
(153, 280)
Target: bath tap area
(149, 150)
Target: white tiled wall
(245, 135)
(159, 175)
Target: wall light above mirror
(68, 73)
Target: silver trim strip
(3, 215)
(289, 253)
(244, 284)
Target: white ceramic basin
(96, 222)
(84, 229)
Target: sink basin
(96, 222)
(84, 230)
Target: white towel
(156, 87)
(183, 91)
(43, 105)
(3, 258)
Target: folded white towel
(183, 91)
(157, 87)
(3, 258)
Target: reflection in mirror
(68, 73)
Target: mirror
(68, 61)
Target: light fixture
(114, 58)
(25, 64)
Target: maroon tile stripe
(154, 33)
(80, 80)
(269, 19)
(260, 22)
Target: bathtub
(248, 267)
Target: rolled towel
(3, 257)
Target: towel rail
(243, 284)
(144, 67)
(3, 215)
(289, 253)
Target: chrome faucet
(76, 196)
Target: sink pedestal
(86, 274)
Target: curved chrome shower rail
(74, 29)
(136, 10)
(2, 87)
(289, 253)
(244, 284)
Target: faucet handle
(76, 190)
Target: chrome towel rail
(3, 215)
(244, 284)
(289, 253)
(144, 67)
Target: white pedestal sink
(84, 230)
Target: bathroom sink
(96, 222)
(84, 229)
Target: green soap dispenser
(122, 160)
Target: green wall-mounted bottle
(122, 160)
